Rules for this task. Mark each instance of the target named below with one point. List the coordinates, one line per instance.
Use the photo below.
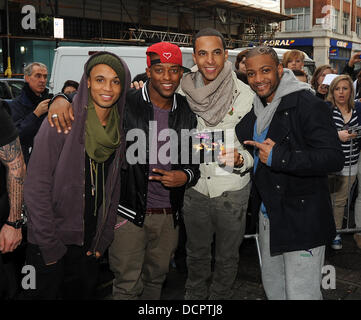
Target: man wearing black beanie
(72, 187)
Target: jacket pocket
(120, 222)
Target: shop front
(302, 44)
(339, 54)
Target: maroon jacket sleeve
(38, 192)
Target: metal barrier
(350, 192)
(348, 229)
(255, 236)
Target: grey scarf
(288, 84)
(212, 101)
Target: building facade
(124, 22)
(329, 31)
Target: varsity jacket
(134, 177)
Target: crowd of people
(104, 169)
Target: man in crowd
(296, 146)
(12, 174)
(72, 185)
(217, 204)
(30, 107)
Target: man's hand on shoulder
(137, 85)
(61, 115)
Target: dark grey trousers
(224, 216)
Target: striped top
(351, 149)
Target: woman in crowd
(317, 79)
(344, 112)
(293, 60)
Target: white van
(69, 62)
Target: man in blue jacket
(30, 108)
(296, 146)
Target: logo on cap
(167, 55)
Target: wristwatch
(16, 224)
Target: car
(10, 88)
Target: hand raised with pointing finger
(171, 179)
(264, 148)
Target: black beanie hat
(109, 60)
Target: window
(300, 21)
(358, 26)
(335, 14)
(345, 23)
(358, 3)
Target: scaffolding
(240, 24)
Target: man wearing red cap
(152, 184)
(152, 193)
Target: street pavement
(248, 284)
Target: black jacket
(134, 177)
(294, 189)
(25, 120)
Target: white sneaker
(337, 243)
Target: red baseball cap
(167, 52)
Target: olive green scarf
(101, 142)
